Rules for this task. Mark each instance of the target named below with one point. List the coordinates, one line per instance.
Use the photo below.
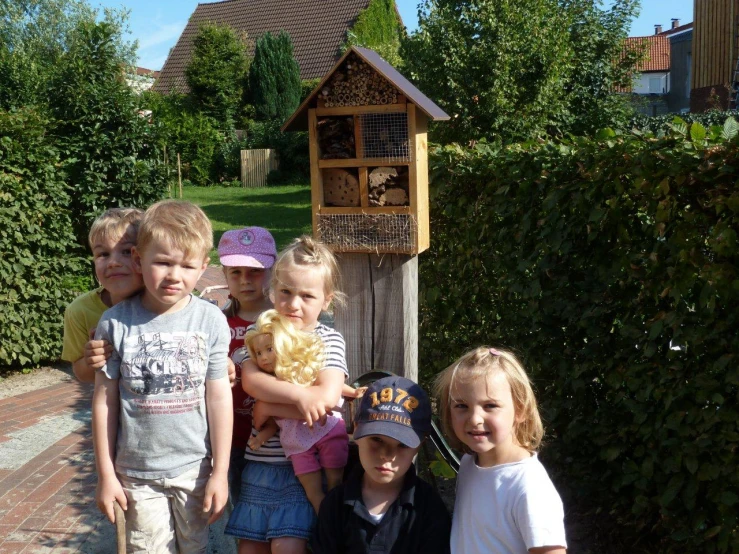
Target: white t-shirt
(506, 509)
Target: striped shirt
(334, 349)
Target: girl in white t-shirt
(506, 503)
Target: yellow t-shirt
(82, 314)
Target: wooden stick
(179, 173)
(120, 527)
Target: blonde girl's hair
(476, 366)
(299, 354)
(181, 224)
(306, 251)
(115, 222)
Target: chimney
(657, 29)
(675, 23)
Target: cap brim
(400, 433)
(241, 260)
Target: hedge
(39, 257)
(610, 264)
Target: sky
(158, 24)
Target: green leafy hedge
(611, 265)
(38, 252)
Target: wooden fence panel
(256, 165)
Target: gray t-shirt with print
(162, 363)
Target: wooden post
(179, 173)
(380, 320)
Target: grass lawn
(284, 210)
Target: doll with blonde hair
(505, 500)
(297, 357)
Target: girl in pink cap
(247, 256)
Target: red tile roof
(317, 29)
(147, 72)
(658, 52)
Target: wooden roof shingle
(317, 30)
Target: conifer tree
(274, 78)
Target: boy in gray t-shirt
(162, 414)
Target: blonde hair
(299, 355)
(180, 224)
(477, 365)
(306, 251)
(114, 223)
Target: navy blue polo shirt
(417, 521)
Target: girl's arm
(267, 431)
(266, 386)
(218, 402)
(105, 403)
(548, 550)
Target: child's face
(299, 295)
(385, 460)
(246, 284)
(114, 266)
(264, 353)
(169, 276)
(484, 418)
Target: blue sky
(157, 25)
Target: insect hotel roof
(367, 129)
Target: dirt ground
(14, 383)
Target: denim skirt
(272, 504)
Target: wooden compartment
(336, 138)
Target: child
(297, 357)
(273, 513)
(246, 256)
(111, 237)
(162, 411)
(505, 502)
(383, 506)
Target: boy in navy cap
(383, 506)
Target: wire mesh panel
(380, 233)
(385, 135)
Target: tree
(274, 78)
(512, 70)
(378, 28)
(111, 150)
(217, 73)
(34, 34)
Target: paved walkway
(47, 471)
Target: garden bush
(39, 257)
(610, 264)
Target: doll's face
(265, 355)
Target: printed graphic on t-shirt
(164, 363)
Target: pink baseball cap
(249, 247)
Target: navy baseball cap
(394, 407)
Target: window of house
(655, 85)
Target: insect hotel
(369, 191)
(368, 156)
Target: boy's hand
(97, 352)
(109, 490)
(216, 496)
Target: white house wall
(642, 82)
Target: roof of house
(142, 71)
(317, 29)
(298, 121)
(676, 30)
(658, 52)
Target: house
(142, 79)
(651, 82)
(681, 59)
(317, 30)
